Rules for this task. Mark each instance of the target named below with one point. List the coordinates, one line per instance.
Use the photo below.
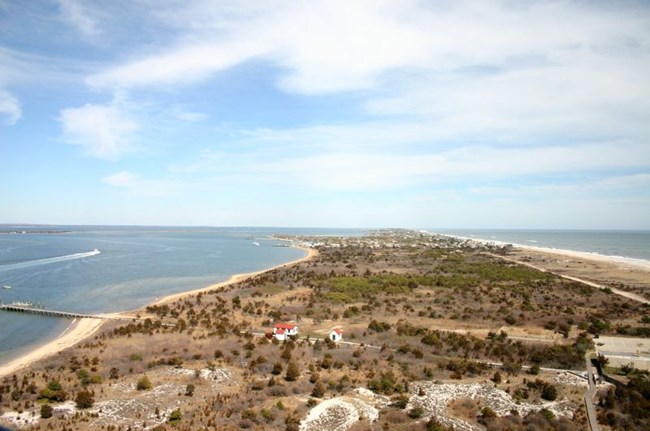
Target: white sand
(626, 261)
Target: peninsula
(394, 330)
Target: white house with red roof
(282, 330)
(336, 334)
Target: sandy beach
(625, 277)
(78, 330)
(81, 329)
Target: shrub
(84, 400)
(549, 392)
(144, 384)
(376, 326)
(53, 392)
(175, 416)
(293, 372)
(416, 412)
(46, 411)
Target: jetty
(27, 307)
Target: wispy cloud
(9, 108)
(77, 13)
(135, 185)
(104, 131)
(182, 65)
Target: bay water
(108, 269)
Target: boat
(6, 287)
(256, 244)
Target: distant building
(282, 330)
(336, 334)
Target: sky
(370, 113)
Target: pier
(23, 307)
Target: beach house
(282, 330)
(336, 334)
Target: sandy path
(81, 329)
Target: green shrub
(144, 384)
(46, 411)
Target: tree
(114, 373)
(189, 390)
(84, 400)
(293, 372)
(46, 411)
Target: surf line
(48, 260)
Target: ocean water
(132, 267)
(620, 243)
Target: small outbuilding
(282, 330)
(336, 334)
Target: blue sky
(372, 113)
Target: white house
(336, 334)
(282, 330)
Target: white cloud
(77, 13)
(9, 108)
(104, 131)
(187, 116)
(362, 171)
(506, 72)
(121, 179)
(181, 65)
(354, 164)
(136, 186)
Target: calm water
(134, 267)
(632, 244)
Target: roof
(338, 330)
(279, 331)
(284, 326)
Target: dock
(22, 307)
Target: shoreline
(235, 278)
(77, 331)
(82, 329)
(637, 263)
